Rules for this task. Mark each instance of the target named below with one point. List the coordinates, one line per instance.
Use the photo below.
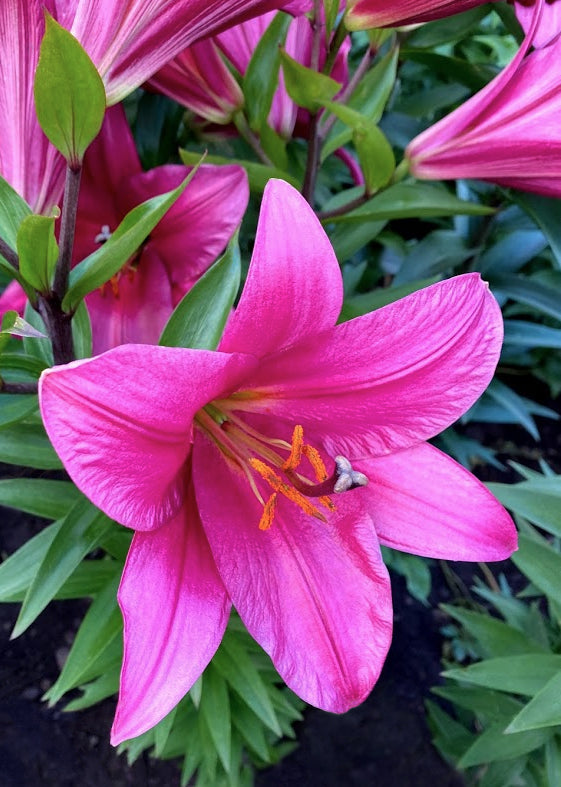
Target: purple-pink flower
(136, 304)
(266, 474)
(128, 42)
(508, 133)
(366, 14)
(199, 78)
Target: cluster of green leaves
(506, 726)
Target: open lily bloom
(265, 475)
(128, 42)
(508, 133)
(199, 79)
(136, 304)
(367, 14)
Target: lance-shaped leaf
(374, 151)
(98, 268)
(37, 250)
(258, 175)
(199, 319)
(306, 87)
(13, 210)
(79, 533)
(69, 93)
(261, 77)
(101, 625)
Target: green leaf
(16, 407)
(80, 532)
(544, 710)
(495, 637)
(92, 693)
(257, 174)
(538, 500)
(69, 93)
(306, 87)
(369, 99)
(493, 745)
(102, 624)
(530, 334)
(541, 564)
(442, 31)
(526, 674)
(199, 319)
(235, 666)
(374, 151)
(261, 77)
(13, 210)
(411, 200)
(375, 155)
(82, 332)
(38, 348)
(215, 710)
(28, 445)
(514, 404)
(487, 705)
(106, 261)
(331, 9)
(546, 212)
(39, 496)
(162, 731)
(37, 250)
(533, 293)
(250, 728)
(18, 571)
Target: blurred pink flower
(232, 466)
(508, 133)
(135, 305)
(128, 42)
(199, 78)
(366, 14)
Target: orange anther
(267, 473)
(296, 449)
(268, 513)
(313, 457)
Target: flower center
(129, 268)
(278, 464)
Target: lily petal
(424, 502)
(38, 177)
(368, 394)
(315, 595)
(199, 225)
(130, 41)
(122, 423)
(294, 286)
(175, 611)
(138, 308)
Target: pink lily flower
(199, 79)
(136, 304)
(128, 42)
(367, 14)
(265, 475)
(508, 133)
